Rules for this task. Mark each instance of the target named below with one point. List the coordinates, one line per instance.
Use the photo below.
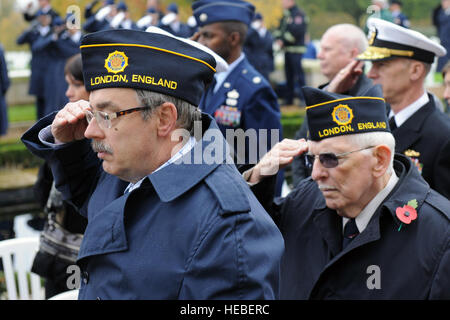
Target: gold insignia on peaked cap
(377, 53)
(116, 62)
(412, 153)
(342, 114)
(372, 36)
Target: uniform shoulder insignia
(228, 189)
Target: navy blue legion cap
(146, 60)
(329, 114)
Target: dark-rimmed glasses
(329, 159)
(104, 118)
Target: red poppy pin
(407, 213)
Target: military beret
(172, 8)
(122, 6)
(153, 60)
(388, 40)
(211, 11)
(329, 114)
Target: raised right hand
(70, 122)
(280, 156)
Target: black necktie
(350, 232)
(392, 124)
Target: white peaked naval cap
(388, 40)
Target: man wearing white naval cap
(401, 59)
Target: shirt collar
(221, 76)
(403, 115)
(362, 220)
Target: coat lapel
(329, 224)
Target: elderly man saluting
(163, 222)
(365, 225)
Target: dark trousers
(295, 78)
(40, 107)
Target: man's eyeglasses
(104, 118)
(329, 160)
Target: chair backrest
(67, 295)
(17, 256)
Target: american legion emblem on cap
(116, 62)
(331, 115)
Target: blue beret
(151, 10)
(57, 21)
(121, 6)
(210, 11)
(329, 114)
(173, 8)
(109, 2)
(147, 61)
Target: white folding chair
(67, 295)
(17, 256)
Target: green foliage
(15, 153)
(291, 122)
(22, 113)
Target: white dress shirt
(406, 113)
(362, 220)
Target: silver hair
(367, 139)
(352, 35)
(187, 113)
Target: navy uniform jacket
(58, 50)
(443, 27)
(191, 231)
(427, 132)
(259, 51)
(245, 100)
(94, 25)
(364, 86)
(292, 30)
(40, 60)
(4, 85)
(414, 263)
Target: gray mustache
(97, 146)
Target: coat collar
(210, 151)
(410, 186)
(409, 132)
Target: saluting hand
(346, 78)
(70, 122)
(281, 155)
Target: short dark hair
(235, 26)
(74, 67)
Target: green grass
(22, 113)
